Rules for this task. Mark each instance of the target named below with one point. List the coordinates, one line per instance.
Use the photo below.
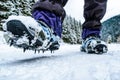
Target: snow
(26, 20)
(68, 63)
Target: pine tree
(71, 30)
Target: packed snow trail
(68, 63)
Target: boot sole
(17, 28)
(99, 49)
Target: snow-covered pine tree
(15, 7)
(111, 27)
(71, 30)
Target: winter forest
(71, 27)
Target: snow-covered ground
(68, 63)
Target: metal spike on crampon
(24, 49)
(11, 42)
